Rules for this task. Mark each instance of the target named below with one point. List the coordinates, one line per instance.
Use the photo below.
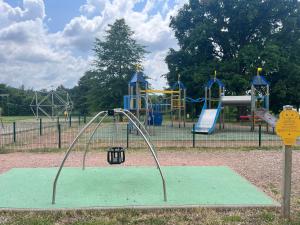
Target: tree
(235, 37)
(116, 57)
(18, 101)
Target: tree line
(233, 37)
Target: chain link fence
(44, 135)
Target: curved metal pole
(136, 119)
(151, 150)
(68, 152)
(89, 141)
(140, 125)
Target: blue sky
(49, 42)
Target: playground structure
(51, 104)
(258, 101)
(115, 155)
(141, 100)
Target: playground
(149, 112)
(220, 187)
(264, 173)
(224, 120)
(151, 176)
(147, 121)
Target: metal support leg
(89, 141)
(151, 150)
(68, 152)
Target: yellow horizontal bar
(160, 91)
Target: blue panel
(260, 81)
(155, 118)
(137, 77)
(126, 99)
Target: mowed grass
(10, 119)
(155, 217)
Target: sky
(47, 43)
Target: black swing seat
(116, 155)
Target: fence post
(41, 127)
(14, 132)
(59, 135)
(259, 135)
(84, 119)
(287, 177)
(193, 135)
(57, 120)
(127, 136)
(79, 119)
(70, 121)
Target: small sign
(288, 126)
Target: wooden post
(288, 128)
(286, 184)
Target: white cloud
(155, 67)
(32, 56)
(28, 53)
(32, 9)
(92, 7)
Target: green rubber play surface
(111, 187)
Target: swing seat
(116, 155)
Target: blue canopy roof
(137, 77)
(260, 81)
(212, 81)
(179, 85)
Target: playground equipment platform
(236, 100)
(129, 187)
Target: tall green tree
(116, 56)
(18, 101)
(235, 37)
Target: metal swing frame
(141, 129)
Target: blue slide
(207, 120)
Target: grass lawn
(132, 216)
(10, 119)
